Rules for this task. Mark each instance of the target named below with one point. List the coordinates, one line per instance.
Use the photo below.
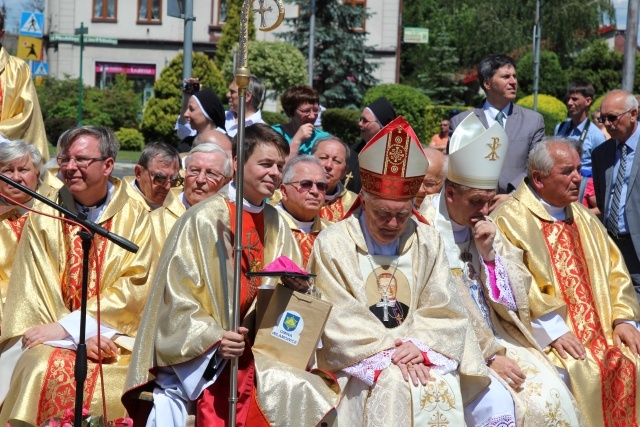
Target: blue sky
(14, 9)
(621, 12)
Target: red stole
(333, 211)
(213, 405)
(617, 372)
(59, 385)
(305, 243)
(17, 224)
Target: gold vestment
(436, 315)
(523, 219)
(544, 398)
(20, 117)
(304, 240)
(164, 218)
(189, 310)
(42, 267)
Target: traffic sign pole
(81, 32)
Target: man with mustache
(582, 304)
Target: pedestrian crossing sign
(32, 24)
(29, 48)
(39, 69)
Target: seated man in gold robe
(20, 116)
(582, 303)
(22, 163)
(406, 368)
(184, 344)
(40, 328)
(494, 283)
(157, 171)
(303, 188)
(208, 169)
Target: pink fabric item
(499, 283)
(285, 265)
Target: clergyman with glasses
(157, 171)
(303, 190)
(207, 170)
(41, 321)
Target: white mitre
(476, 154)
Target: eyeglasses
(208, 174)
(365, 121)
(309, 111)
(612, 118)
(81, 162)
(307, 185)
(161, 179)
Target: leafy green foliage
(163, 109)
(340, 68)
(279, 65)
(231, 33)
(600, 66)
(272, 118)
(130, 139)
(408, 102)
(595, 105)
(552, 109)
(342, 123)
(114, 107)
(553, 80)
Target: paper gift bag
(291, 327)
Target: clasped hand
(410, 360)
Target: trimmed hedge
(130, 139)
(408, 102)
(342, 123)
(552, 109)
(272, 118)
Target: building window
(362, 4)
(222, 12)
(105, 10)
(149, 11)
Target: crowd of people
(489, 279)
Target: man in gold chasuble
(397, 338)
(41, 322)
(184, 343)
(583, 307)
(493, 282)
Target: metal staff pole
(242, 77)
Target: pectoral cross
(385, 303)
(262, 10)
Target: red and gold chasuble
(617, 372)
(305, 242)
(17, 224)
(213, 405)
(59, 385)
(333, 211)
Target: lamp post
(81, 32)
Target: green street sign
(416, 35)
(68, 38)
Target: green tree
(231, 32)
(553, 79)
(160, 115)
(279, 65)
(439, 80)
(600, 66)
(341, 71)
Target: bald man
(214, 137)
(434, 178)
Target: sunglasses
(612, 118)
(307, 185)
(162, 179)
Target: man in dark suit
(525, 128)
(615, 169)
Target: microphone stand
(80, 371)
